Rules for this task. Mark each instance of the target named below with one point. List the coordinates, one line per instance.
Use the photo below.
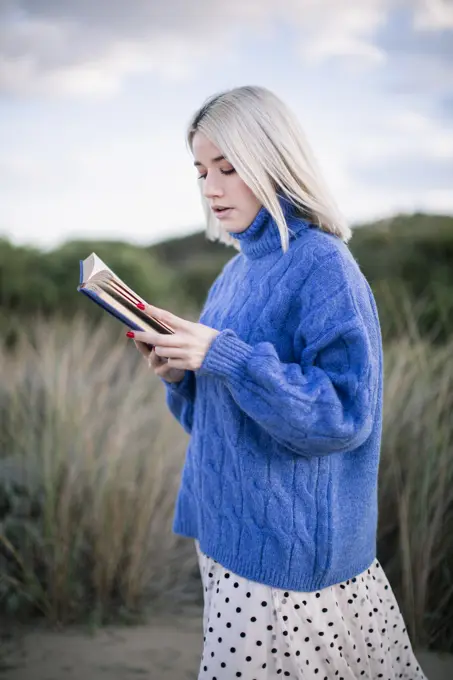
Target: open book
(110, 292)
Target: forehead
(203, 149)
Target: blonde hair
(263, 140)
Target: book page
(92, 266)
(127, 307)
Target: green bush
(408, 261)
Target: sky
(95, 97)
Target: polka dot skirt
(347, 631)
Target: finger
(175, 322)
(167, 369)
(155, 361)
(142, 348)
(172, 363)
(169, 352)
(156, 339)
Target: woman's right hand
(160, 364)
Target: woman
(280, 387)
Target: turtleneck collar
(262, 235)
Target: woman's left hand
(186, 348)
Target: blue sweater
(280, 479)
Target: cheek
(247, 197)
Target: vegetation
(90, 457)
(90, 467)
(408, 261)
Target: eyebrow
(213, 160)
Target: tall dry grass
(93, 461)
(416, 487)
(90, 462)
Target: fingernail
(130, 334)
(140, 305)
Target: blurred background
(95, 96)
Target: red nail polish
(140, 305)
(130, 334)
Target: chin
(235, 228)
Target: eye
(223, 172)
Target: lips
(220, 208)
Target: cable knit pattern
(285, 414)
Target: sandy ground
(168, 648)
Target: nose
(212, 186)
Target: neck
(262, 235)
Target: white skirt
(346, 631)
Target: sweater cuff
(227, 357)
(183, 388)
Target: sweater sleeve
(180, 398)
(324, 403)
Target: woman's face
(223, 187)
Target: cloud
(17, 168)
(87, 48)
(407, 135)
